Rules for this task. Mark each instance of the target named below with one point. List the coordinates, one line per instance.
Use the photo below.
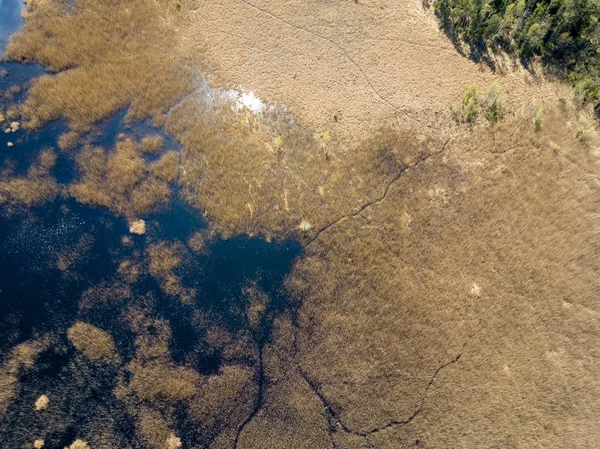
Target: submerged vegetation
(563, 33)
(130, 367)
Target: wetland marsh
(237, 225)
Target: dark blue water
(36, 298)
(10, 20)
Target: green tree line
(565, 34)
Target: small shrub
(42, 402)
(78, 444)
(325, 140)
(277, 143)
(173, 442)
(305, 226)
(137, 227)
(471, 104)
(494, 103)
(584, 126)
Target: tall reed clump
(122, 180)
(36, 188)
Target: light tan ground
(360, 62)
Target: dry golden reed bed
(284, 174)
(122, 180)
(106, 55)
(37, 187)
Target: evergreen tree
(565, 34)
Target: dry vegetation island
(435, 163)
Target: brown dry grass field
(447, 296)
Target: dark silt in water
(37, 299)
